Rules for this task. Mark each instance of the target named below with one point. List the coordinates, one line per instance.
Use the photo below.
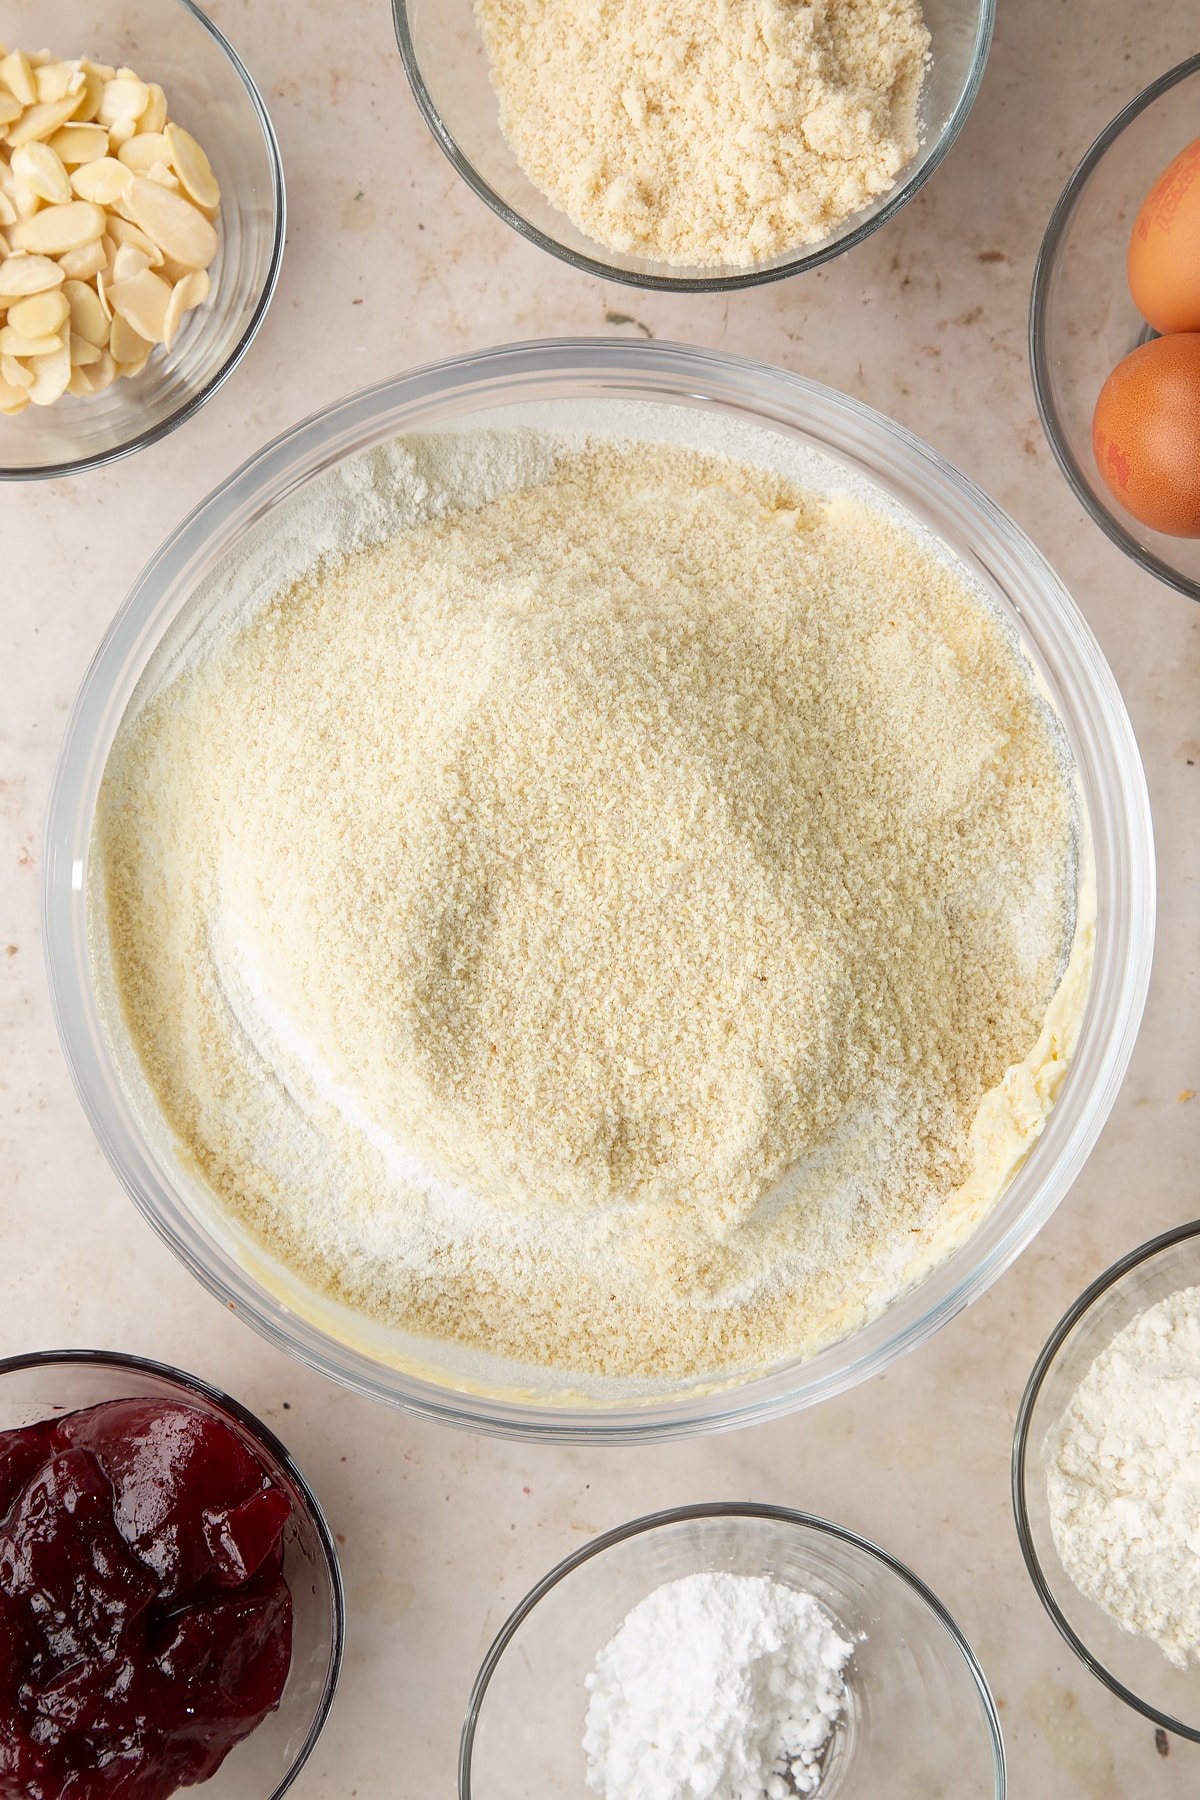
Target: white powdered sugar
(716, 1687)
(1123, 1478)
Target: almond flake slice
(8, 212)
(124, 97)
(127, 344)
(15, 343)
(40, 315)
(12, 399)
(51, 376)
(103, 181)
(145, 149)
(62, 228)
(80, 264)
(124, 231)
(141, 302)
(55, 80)
(10, 108)
(41, 121)
(179, 229)
(155, 115)
(17, 76)
(190, 291)
(192, 167)
(28, 275)
(83, 352)
(43, 172)
(14, 372)
(90, 95)
(88, 318)
(128, 262)
(76, 144)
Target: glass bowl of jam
(171, 1609)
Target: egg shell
(1146, 434)
(1163, 264)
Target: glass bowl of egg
(1103, 1478)
(335, 481)
(1114, 330)
(690, 153)
(884, 1693)
(142, 226)
(165, 1509)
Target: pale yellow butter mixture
(615, 926)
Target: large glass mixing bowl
(845, 444)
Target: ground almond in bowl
(611, 907)
(698, 135)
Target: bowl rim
(276, 1451)
(155, 433)
(1039, 359)
(673, 373)
(1095, 1291)
(725, 1509)
(811, 258)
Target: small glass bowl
(264, 1765)
(209, 91)
(1134, 1668)
(447, 68)
(919, 1717)
(1082, 319)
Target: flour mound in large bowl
(624, 921)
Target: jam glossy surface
(145, 1623)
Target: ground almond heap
(586, 926)
(699, 133)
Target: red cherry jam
(145, 1624)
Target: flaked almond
(155, 116)
(55, 80)
(14, 372)
(88, 318)
(192, 167)
(50, 376)
(145, 149)
(124, 97)
(40, 315)
(12, 399)
(88, 103)
(41, 170)
(128, 262)
(180, 229)
(29, 275)
(127, 343)
(141, 302)
(79, 265)
(190, 291)
(59, 229)
(42, 121)
(103, 181)
(83, 351)
(124, 231)
(16, 74)
(15, 343)
(77, 144)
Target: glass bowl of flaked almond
(141, 226)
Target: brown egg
(1146, 434)
(1164, 248)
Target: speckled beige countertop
(391, 261)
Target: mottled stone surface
(391, 261)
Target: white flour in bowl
(1123, 1478)
(716, 1687)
